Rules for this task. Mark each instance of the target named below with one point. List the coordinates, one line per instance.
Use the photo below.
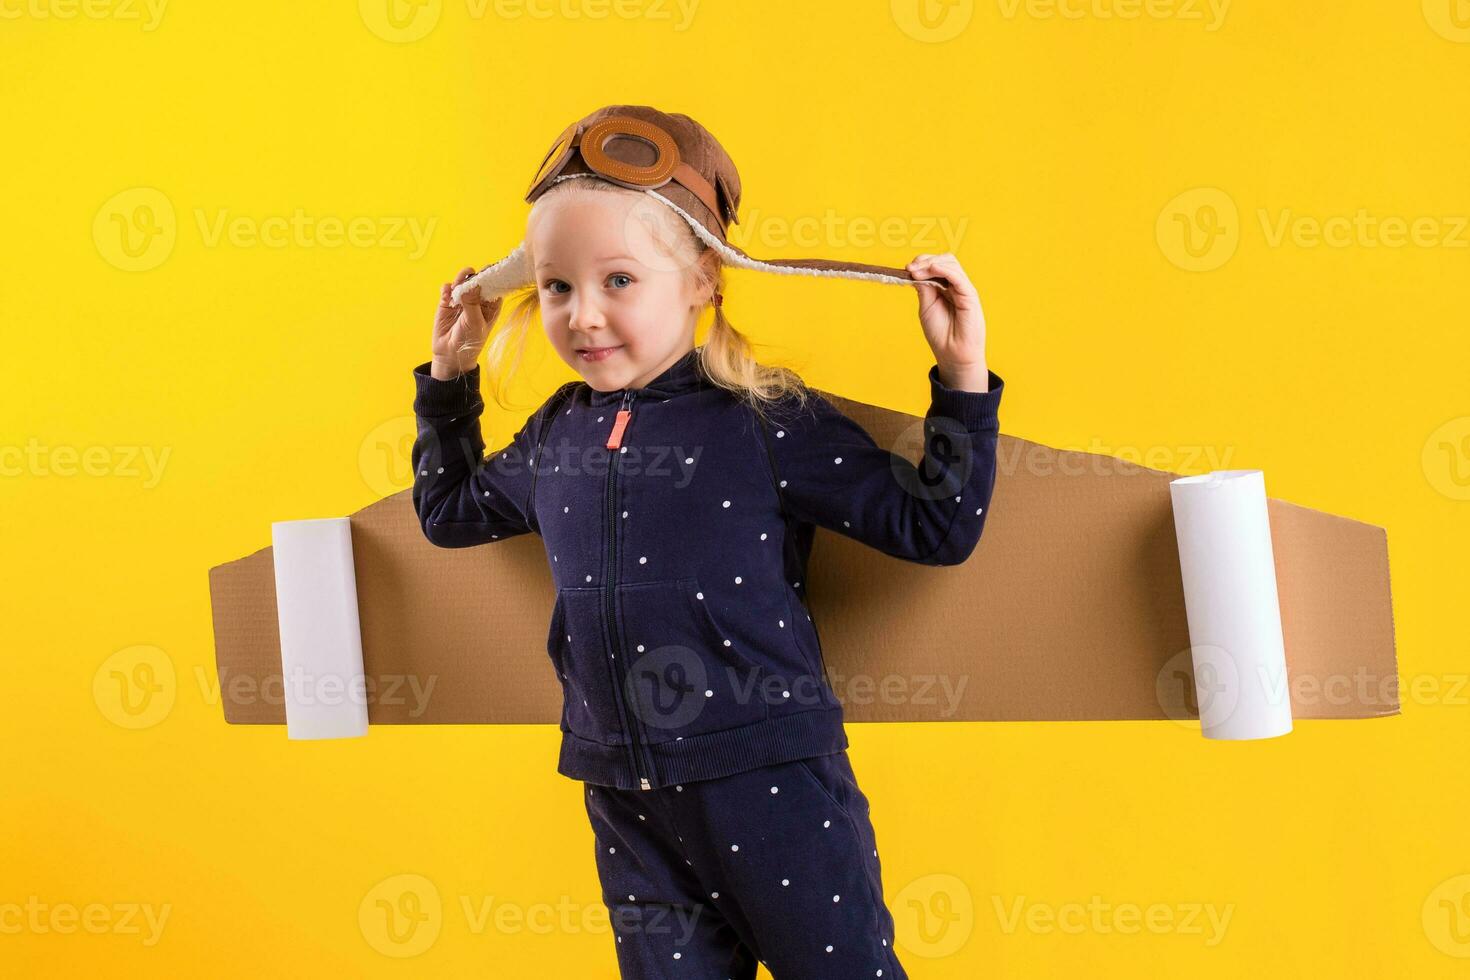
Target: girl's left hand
(953, 322)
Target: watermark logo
(401, 916)
(1098, 917)
(942, 691)
(934, 915)
(832, 230)
(35, 459)
(649, 236)
(1363, 230)
(406, 21)
(147, 13)
(1450, 19)
(39, 918)
(1221, 684)
(135, 687)
(1210, 13)
(385, 456)
(400, 21)
(1446, 916)
(1197, 683)
(945, 466)
(241, 689)
(668, 686)
(135, 229)
(1199, 229)
(932, 21)
(302, 230)
(1099, 459)
(1446, 458)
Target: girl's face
(618, 298)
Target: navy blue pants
(776, 864)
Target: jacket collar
(682, 376)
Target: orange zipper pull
(615, 440)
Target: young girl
(677, 489)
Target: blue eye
(551, 284)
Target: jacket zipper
(629, 718)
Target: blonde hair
(726, 358)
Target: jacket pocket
(577, 644)
(685, 677)
(557, 638)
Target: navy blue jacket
(681, 634)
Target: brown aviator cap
(677, 162)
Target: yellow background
(1074, 143)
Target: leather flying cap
(676, 161)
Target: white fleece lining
(734, 258)
(514, 272)
(506, 276)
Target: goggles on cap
(591, 142)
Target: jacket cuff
(433, 397)
(975, 410)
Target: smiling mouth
(597, 353)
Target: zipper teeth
(612, 557)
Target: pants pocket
(833, 775)
(825, 772)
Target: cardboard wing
(1071, 608)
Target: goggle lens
(624, 150)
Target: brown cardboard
(1071, 608)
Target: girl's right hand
(460, 332)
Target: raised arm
(462, 497)
(832, 474)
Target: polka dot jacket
(677, 525)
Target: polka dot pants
(776, 865)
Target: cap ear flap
(728, 201)
(511, 273)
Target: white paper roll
(1230, 602)
(321, 638)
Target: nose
(586, 315)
